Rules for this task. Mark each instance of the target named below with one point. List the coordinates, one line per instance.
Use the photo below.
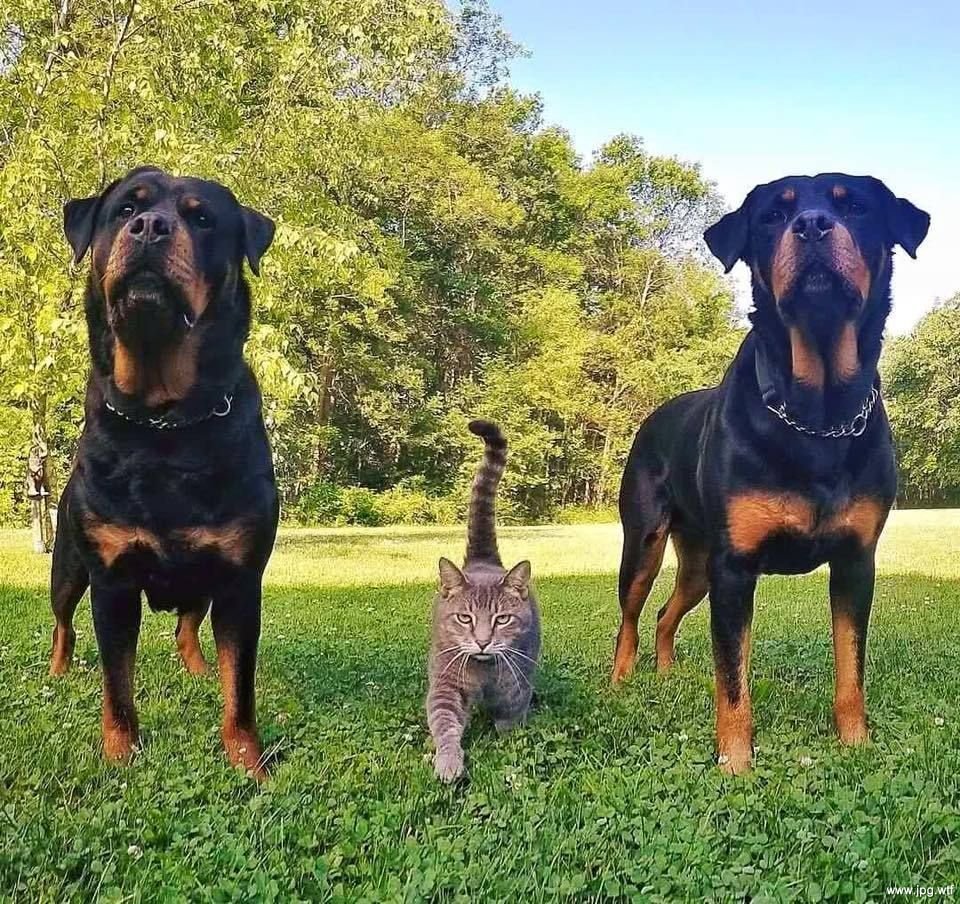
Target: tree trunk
(323, 416)
(38, 487)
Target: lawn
(606, 794)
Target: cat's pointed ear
(517, 579)
(451, 577)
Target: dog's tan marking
(848, 261)
(627, 638)
(864, 517)
(691, 587)
(176, 372)
(188, 641)
(849, 709)
(783, 268)
(64, 640)
(120, 734)
(846, 354)
(182, 269)
(839, 192)
(789, 195)
(126, 372)
(807, 364)
(231, 541)
(169, 380)
(241, 743)
(754, 516)
(735, 720)
(113, 540)
(113, 268)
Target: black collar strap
(165, 422)
(854, 427)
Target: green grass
(604, 794)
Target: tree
(439, 252)
(921, 385)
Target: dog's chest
(174, 523)
(793, 534)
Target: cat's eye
(503, 619)
(464, 619)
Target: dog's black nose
(812, 225)
(150, 227)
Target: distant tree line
(440, 252)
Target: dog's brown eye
(856, 208)
(126, 211)
(774, 216)
(200, 218)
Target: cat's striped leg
(447, 717)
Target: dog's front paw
(448, 764)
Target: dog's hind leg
(188, 639)
(646, 524)
(68, 582)
(691, 587)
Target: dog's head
(164, 251)
(819, 247)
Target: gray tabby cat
(486, 626)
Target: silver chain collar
(854, 427)
(221, 409)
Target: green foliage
(604, 795)
(921, 385)
(439, 252)
(408, 502)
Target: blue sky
(755, 91)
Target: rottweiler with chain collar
(789, 462)
(172, 492)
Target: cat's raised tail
(482, 518)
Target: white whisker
(515, 667)
(451, 662)
(512, 667)
(518, 653)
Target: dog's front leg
(851, 596)
(732, 587)
(116, 621)
(236, 628)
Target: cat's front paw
(448, 764)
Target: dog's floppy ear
(257, 235)
(908, 224)
(727, 238)
(80, 217)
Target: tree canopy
(441, 253)
(922, 385)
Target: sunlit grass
(604, 794)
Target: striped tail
(481, 521)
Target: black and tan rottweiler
(789, 462)
(172, 491)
